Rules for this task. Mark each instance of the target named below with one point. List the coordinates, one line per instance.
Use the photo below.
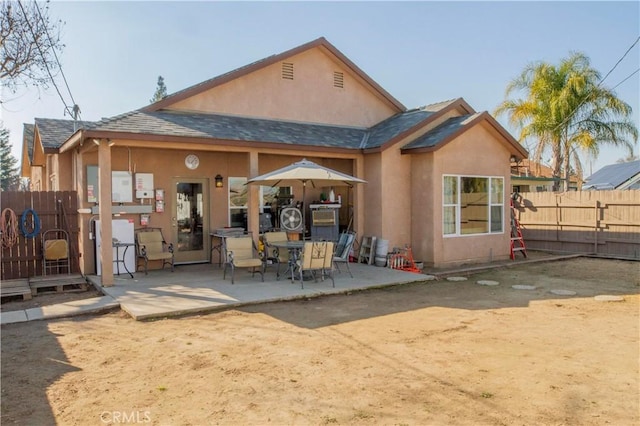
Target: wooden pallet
(57, 284)
(18, 287)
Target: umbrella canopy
(305, 171)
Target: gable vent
(287, 70)
(338, 79)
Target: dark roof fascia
(536, 179)
(73, 140)
(114, 135)
(458, 103)
(483, 116)
(270, 60)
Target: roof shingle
(54, 132)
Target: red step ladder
(517, 242)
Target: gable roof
(54, 132)
(27, 139)
(613, 176)
(395, 126)
(455, 126)
(174, 124)
(262, 63)
(167, 124)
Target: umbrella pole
(304, 208)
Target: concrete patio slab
(201, 288)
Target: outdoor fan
(291, 219)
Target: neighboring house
(42, 163)
(529, 176)
(615, 176)
(438, 176)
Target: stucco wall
(64, 172)
(476, 152)
(373, 205)
(167, 164)
(423, 188)
(396, 198)
(309, 97)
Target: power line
(46, 65)
(620, 60)
(575, 110)
(76, 109)
(627, 78)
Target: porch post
(104, 209)
(79, 185)
(358, 213)
(253, 211)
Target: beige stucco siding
(477, 153)
(64, 171)
(423, 188)
(309, 97)
(373, 195)
(396, 198)
(167, 164)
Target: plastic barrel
(382, 248)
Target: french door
(190, 219)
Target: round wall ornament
(192, 161)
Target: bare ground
(433, 353)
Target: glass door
(190, 220)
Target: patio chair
(242, 253)
(343, 249)
(317, 257)
(273, 255)
(55, 251)
(151, 245)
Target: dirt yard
(441, 352)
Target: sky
(421, 52)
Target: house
(530, 176)
(41, 159)
(615, 176)
(438, 176)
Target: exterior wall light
(218, 180)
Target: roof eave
(458, 103)
(149, 137)
(484, 116)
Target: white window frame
(457, 205)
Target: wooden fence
(55, 210)
(600, 222)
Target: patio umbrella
(305, 171)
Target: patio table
(294, 248)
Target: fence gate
(53, 210)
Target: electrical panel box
(144, 185)
(121, 187)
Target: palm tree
(567, 111)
